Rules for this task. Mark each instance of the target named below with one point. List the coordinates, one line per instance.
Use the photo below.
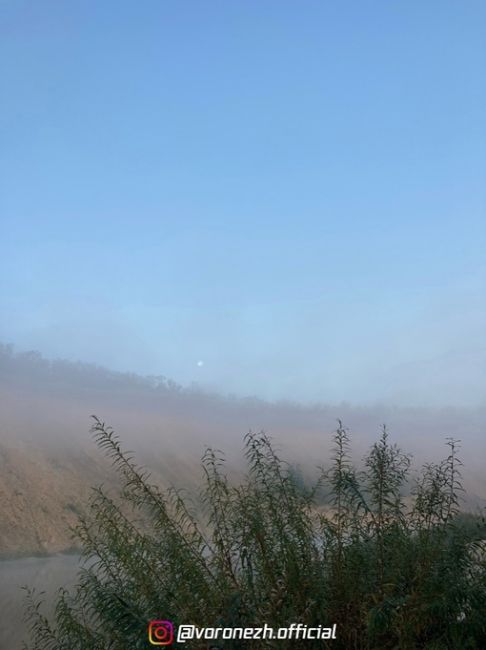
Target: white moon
(200, 363)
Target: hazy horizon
(156, 379)
(51, 400)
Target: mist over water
(49, 461)
(48, 403)
(239, 217)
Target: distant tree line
(32, 366)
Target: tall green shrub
(390, 571)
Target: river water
(44, 574)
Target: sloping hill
(48, 461)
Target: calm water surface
(45, 574)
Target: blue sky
(292, 193)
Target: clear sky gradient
(292, 193)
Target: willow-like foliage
(392, 571)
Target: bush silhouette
(391, 571)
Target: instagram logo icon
(161, 632)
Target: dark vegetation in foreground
(391, 571)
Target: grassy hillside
(48, 461)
